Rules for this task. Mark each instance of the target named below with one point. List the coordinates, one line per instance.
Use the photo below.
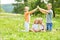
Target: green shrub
(1, 10)
(57, 10)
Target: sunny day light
(10, 2)
(29, 19)
(7, 1)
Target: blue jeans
(49, 26)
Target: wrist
(39, 8)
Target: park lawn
(12, 24)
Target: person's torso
(35, 26)
(49, 16)
(41, 27)
(27, 17)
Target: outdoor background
(12, 20)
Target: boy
(49, 14)
(27, 17)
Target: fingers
(38, 7)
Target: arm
(33, 11)
(42, 10)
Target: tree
(18, 7)
(26, 2)
(53, 8)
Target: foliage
(57, 10)
(1, 10)
(19, 8)
(33, 4)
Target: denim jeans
(49, 26)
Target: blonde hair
(49, 4)
(40, 20)
(37, 20)
(26, 7)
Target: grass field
(12, 24)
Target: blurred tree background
(19, 8)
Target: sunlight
(45, 1)
(10, 2)
(7, 1)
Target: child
(27, 17)
(41, 25)
(49, 14)
(38, 25)
(35, 26)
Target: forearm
(33, 11)
(43, 10)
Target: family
(38, 24)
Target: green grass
(12, 24)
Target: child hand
(38, 7)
